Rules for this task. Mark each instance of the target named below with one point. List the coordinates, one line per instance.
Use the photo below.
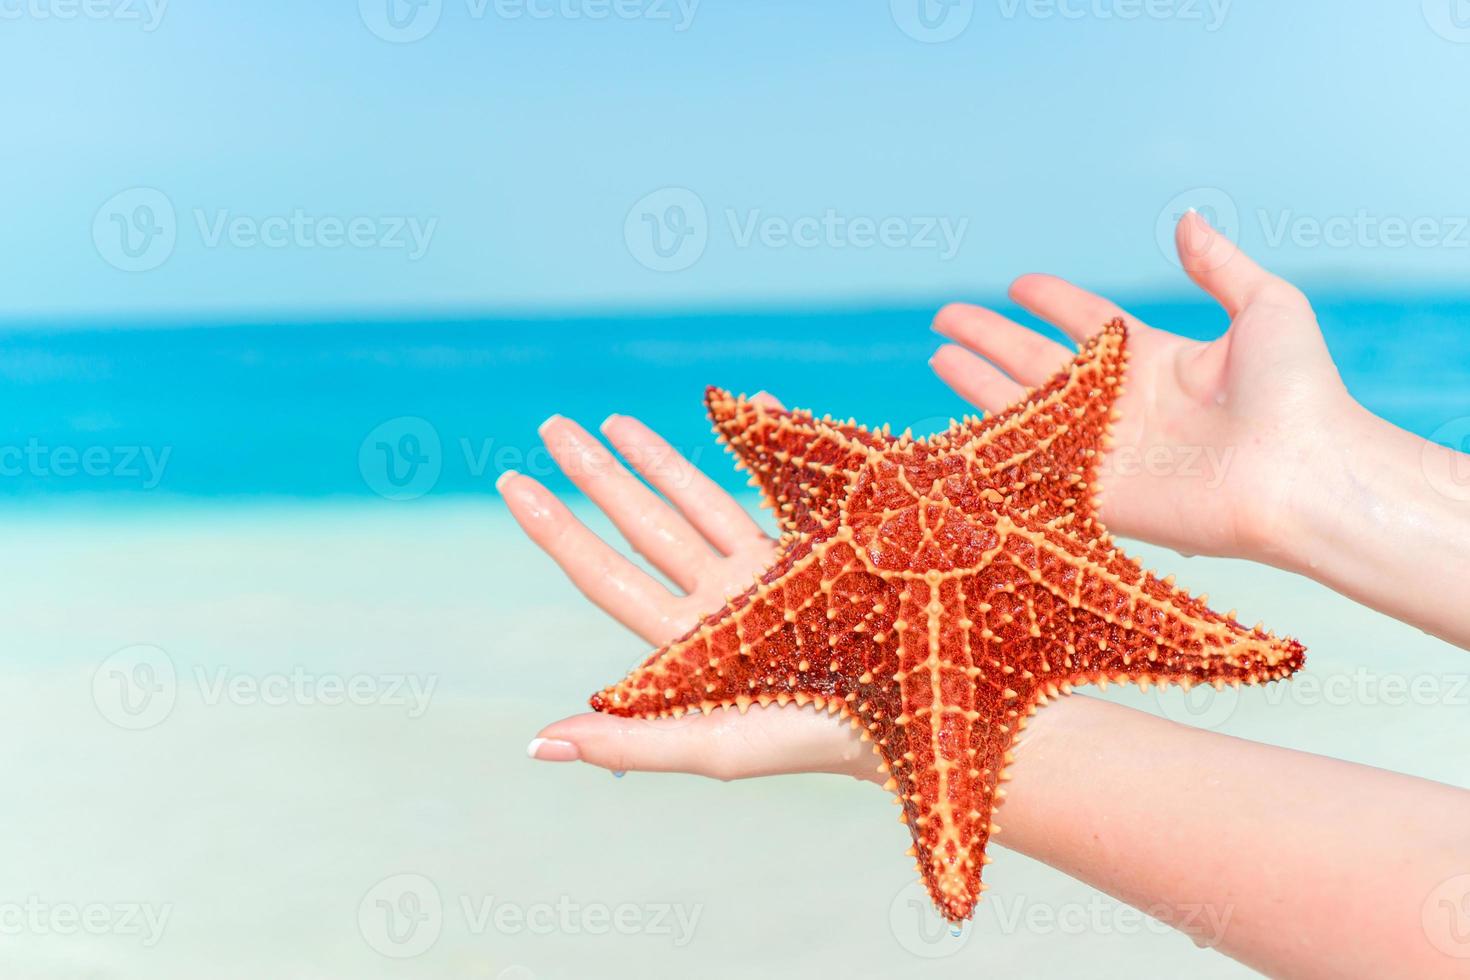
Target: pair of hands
(1212, 454)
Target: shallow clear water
(322, 409)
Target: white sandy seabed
(248, 742)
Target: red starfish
(935, 592)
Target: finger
(724, 744)
(652, 527)
(1221, 269)
(768, 400)
(1071, 309)
(975, 379)
(1024, 354)
(621, 589)
(712, 511)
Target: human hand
(1216, 444)
(707, 545)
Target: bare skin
(1309, 481)
(1247, 446)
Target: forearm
(1383, 516)
(1296, 864)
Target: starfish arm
(807, 631)
(1069, 612)
(981, 648)
(1040, 456)
(800, 463)
(947, 748)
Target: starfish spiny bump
(934, 592)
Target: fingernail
(607, 422)
(552, 750)
(541, 429)
(502, 479)
(1196, 237)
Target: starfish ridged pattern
(934, 592)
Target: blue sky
(282, 156)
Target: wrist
(1308, 494)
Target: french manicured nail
(607, 422)
(503, 479)
(541, 429)
(552, 750)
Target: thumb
(723, 744)
(1220, 268)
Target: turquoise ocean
(280, 410)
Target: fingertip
(1029, 284)
(949, 313)
(946, 355)
(1198, 244)
(950, 362)
(531, 504)
(766, 399)
(551, 421)
(552, 750)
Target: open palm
(1211, 436)
(705, 543)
